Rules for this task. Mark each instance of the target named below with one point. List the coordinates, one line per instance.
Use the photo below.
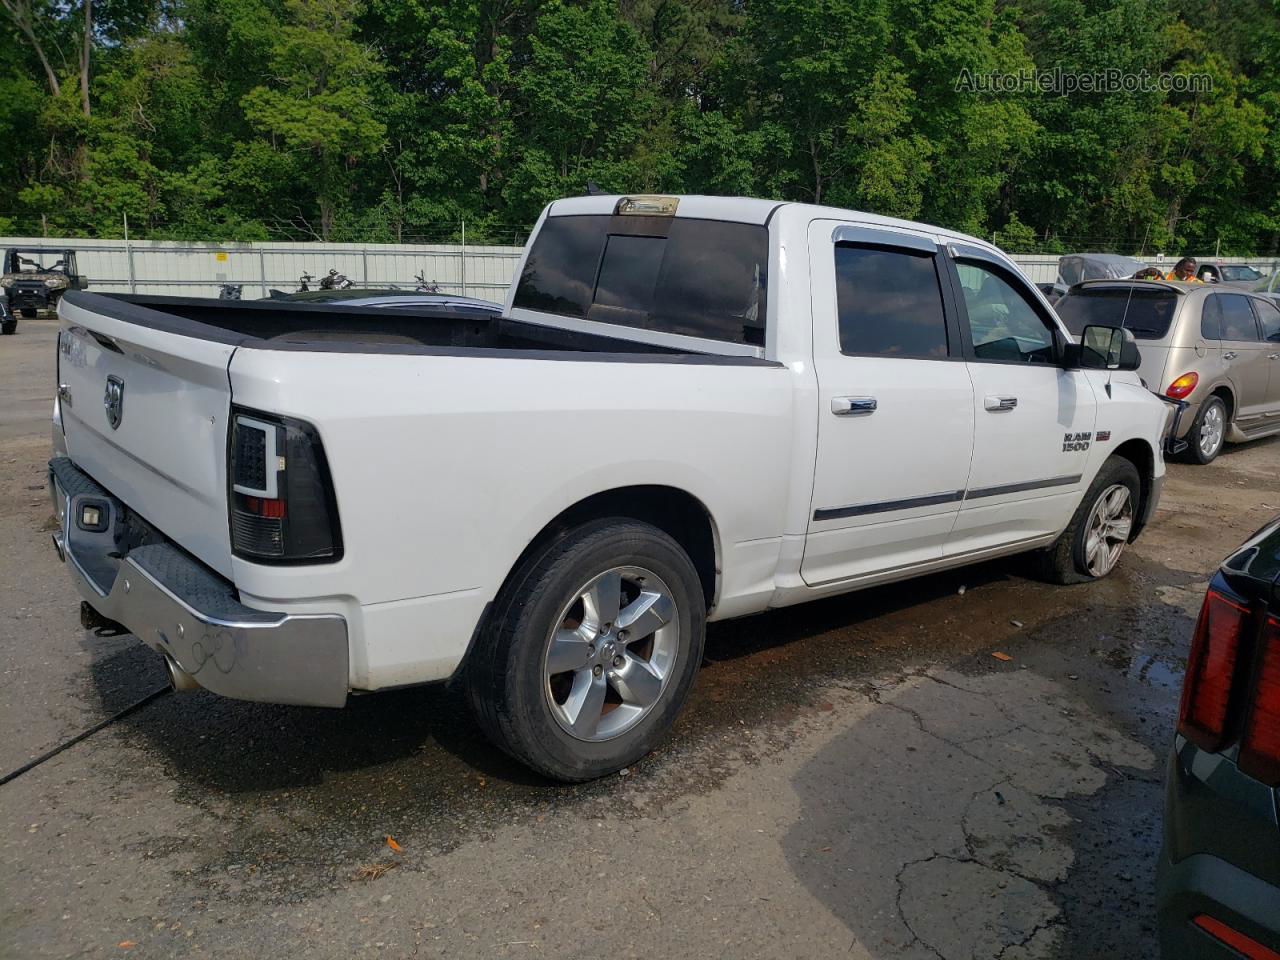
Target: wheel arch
(676, 512)
(1140, 453)
(1227, 395)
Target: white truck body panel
(447, 464)
(168, 455)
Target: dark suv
(1218, 890)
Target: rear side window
(1269, 316)
(1237, 317)
(1211, 319)
(1146, 312)
(697, 278)
(889, 303)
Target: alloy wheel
(1212, 429)
(1110, 523)
(611, 653)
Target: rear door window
(1238, 322)
(1144, 311)
(889, 303)
(696, 278)
(1269, 317)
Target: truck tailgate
(162, 448)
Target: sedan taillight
(1182, 387)
(1211, 668)
(280, 493)
(1260, 745)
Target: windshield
(1240, 273)
(1147, 312)
(34, 261)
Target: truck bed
(267, 324)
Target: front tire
(1091, 546)
(9, 327)
(590, 651)
(1208, 431)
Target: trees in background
(398, 119)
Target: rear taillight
(1181, 388)
(281, 496)
(1211, 669)
(1244, 945)
(1260, 745)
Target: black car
(1218, 889)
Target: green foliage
(399, 119)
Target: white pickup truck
(691, 409)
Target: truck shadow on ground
(295, 787)
(234, 746)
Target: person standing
(1184, 271)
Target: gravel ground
(857, 776)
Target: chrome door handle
(853, 406)
(1230, 355)
(996, 404)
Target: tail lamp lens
(281, 496)
(1181, 388)
(1211, 668)
(1244, 945)
(1260, 746)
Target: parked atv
(336, 281)
(31, 286)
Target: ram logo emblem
(113, 400)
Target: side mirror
(1108, 348)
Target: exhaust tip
(179, 680)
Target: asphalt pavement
(964, 765)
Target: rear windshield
(1146, 312)
(698, 278)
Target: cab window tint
(1002, 323)
(889, 303)
(1269, 317)
(1237, 317)
(697, 278)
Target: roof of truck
(755, 210)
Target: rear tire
(1091, 545)
(9, 327)
(1208, 431)
(618, 605)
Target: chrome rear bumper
(187, 612)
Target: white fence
(199, 269)
(1042, 268)
(191, 269)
